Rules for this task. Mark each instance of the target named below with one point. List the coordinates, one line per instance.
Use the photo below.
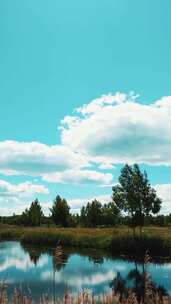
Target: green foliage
(111, 214)
(73, 220)
(35, 213)
(60, 212)
(25, 218)
(94, 214)
(135, 195)
(32, 216)
(67, 237)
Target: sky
(84, 88)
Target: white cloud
(117, 129)
(79, 177)
(21, 190)
(164, 192)
(109, 130)
(96, 104)
(56, 164)
(81, 280)
(20, 260)
(14, 198)
(35, 159)
(10, 205)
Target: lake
(33, 269)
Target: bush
(138, 246)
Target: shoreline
(117, 241)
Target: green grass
(118, 240)
(71, 237)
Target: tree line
(133, 202)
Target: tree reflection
(118, 285)
(34, 253)
(136, 281)
(96, 258)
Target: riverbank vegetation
(118, 240)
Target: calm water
(32, 268)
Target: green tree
(25, 218)
(32, 216)
(93, 212)
(60, 212)
(73, 220)
(135, 196)
(35, 213)
(110, 215)
(83, 216)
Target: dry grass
(86, 298)
(17, 231)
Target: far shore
(117, 240)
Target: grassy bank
(118, 240)
(74, 237)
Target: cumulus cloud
(10, 205)
(56, 164)
(16, 197)
(21, 190)
(117, 129)
(34, 158)
(164, 192)
(113, 129)
(79, 177)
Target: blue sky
(55, 57)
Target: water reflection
(35, 268)
(136, 281)
(94, 256)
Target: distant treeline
(94, 214)
(133, 202)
